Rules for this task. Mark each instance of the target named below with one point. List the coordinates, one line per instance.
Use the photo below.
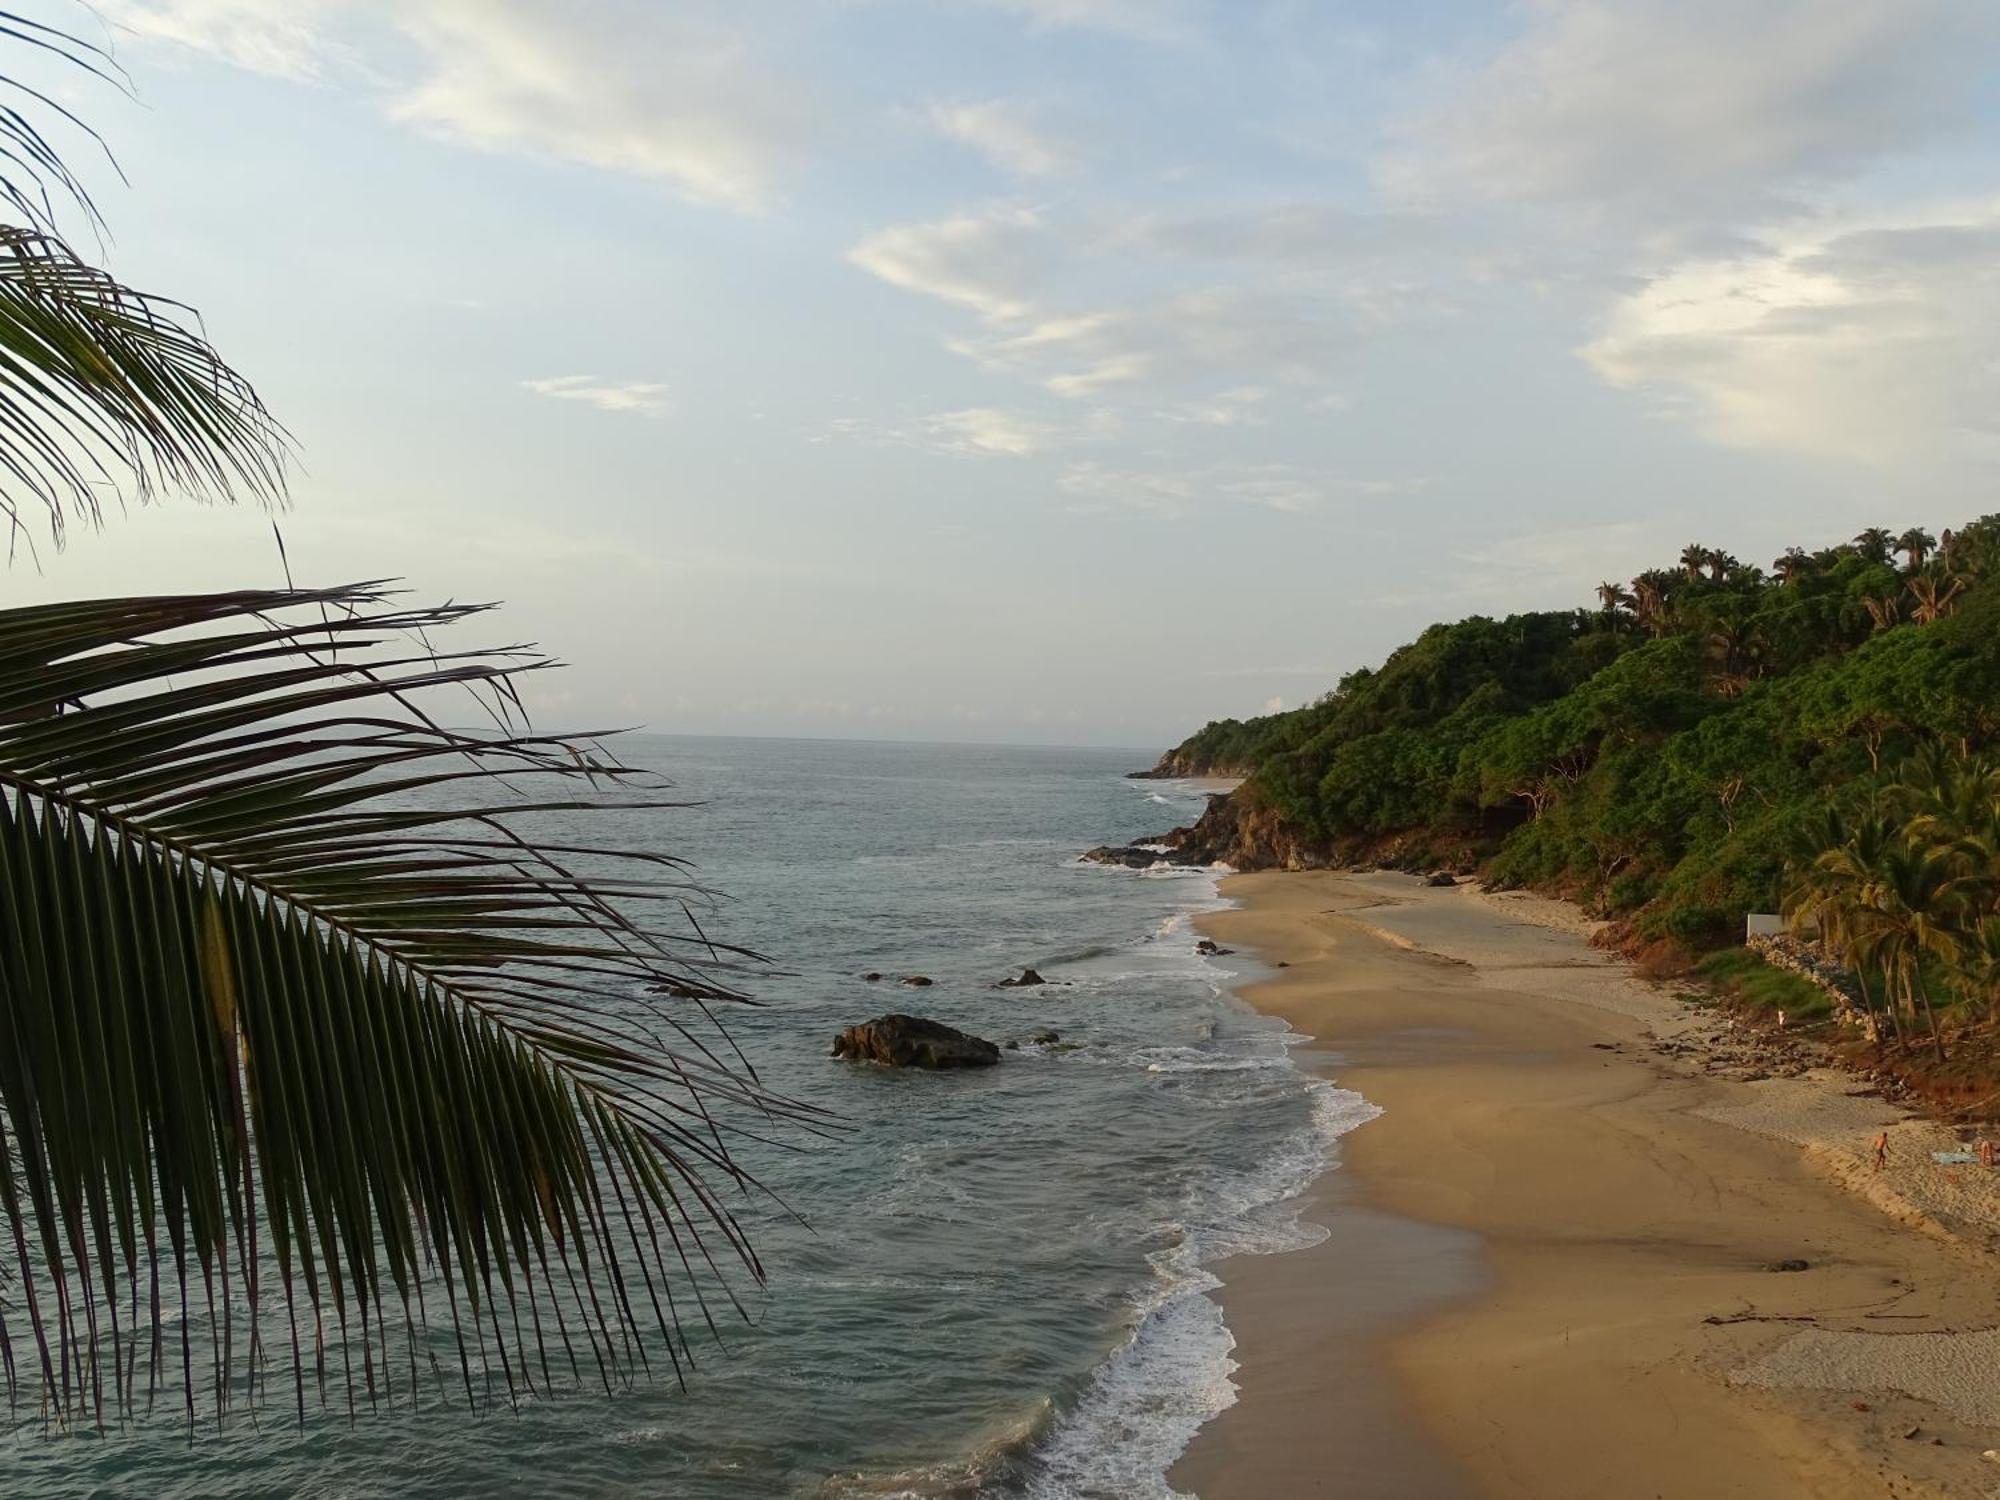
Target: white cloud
(670, 93)
(1005, 133)
(644, 397)
(985, 430)
(1152, 20)
(989, 261)
(1662, 106)
(1173, 493)
(1877, 342)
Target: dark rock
(918, 981)
(1442, 878)
(1788, 1265)
(678, 991)
(1131, 856)
(1209, 948)
(1046, 1038)
(900, 1041)
(1013, 1046)
(1028, 980)
(873, 976)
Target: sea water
(998, 1284)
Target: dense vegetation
(1905, 889)
(1658, 756)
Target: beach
(1550, 1263)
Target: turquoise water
(998, 1287)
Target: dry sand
(1545, 1273)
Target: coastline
(1530, 1241)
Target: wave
(1172, 1374)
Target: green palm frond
(281, 1018)
(105, 390)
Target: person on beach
(1881, 1150)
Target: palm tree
(292, 1005)
(1719, 564)
(1874, 544)
(1885, 610)
(1694, 558)
(1792, 564)
(1935, 594)
(1613, 597)
(1651, 592)
(1915, 545)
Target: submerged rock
(1028, 980)
(918, 981)
(873, 976)
(1131, 856)
(899, 1041)
(1209, 948)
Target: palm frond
(285, 1013)
(104, 389)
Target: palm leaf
(104, 389)
(281, 1015)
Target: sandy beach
(1548, 1265)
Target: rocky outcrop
(1027, 980)
(1178, 765)
(1233, 830)
(1818, 968)
(918, 981)
(1210, 948)
(900, 1041)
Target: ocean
(997, 1287)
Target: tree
(1794, 562)
(291, 1002)
(1694, 558)
(1915, 545)
(1933, 594)
(1874, 544)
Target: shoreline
(1546, 1276)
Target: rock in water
(1209, 948)
(914, 1042)
(1028, 980)
(918, 981)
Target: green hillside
(1655, 756)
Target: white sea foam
(1173, 1373)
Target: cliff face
(1234, 831)
(1180, 763)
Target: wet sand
(1528, 1246)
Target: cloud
(1194, 336)
(1005, 133)
(1174, 493)
(990, 260)
(985, 430)
(1150, 20)
(975, 431)
(641, 396)
(669, 93)
(1665, 106)
(1873, 342)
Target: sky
(1047, 371)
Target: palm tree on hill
(1650, 598)
(1694, 558)
(1915, 545)
(1874, 544)
(1934, 595)
(1613, 597)
(1793, 563)
(293, 1007)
